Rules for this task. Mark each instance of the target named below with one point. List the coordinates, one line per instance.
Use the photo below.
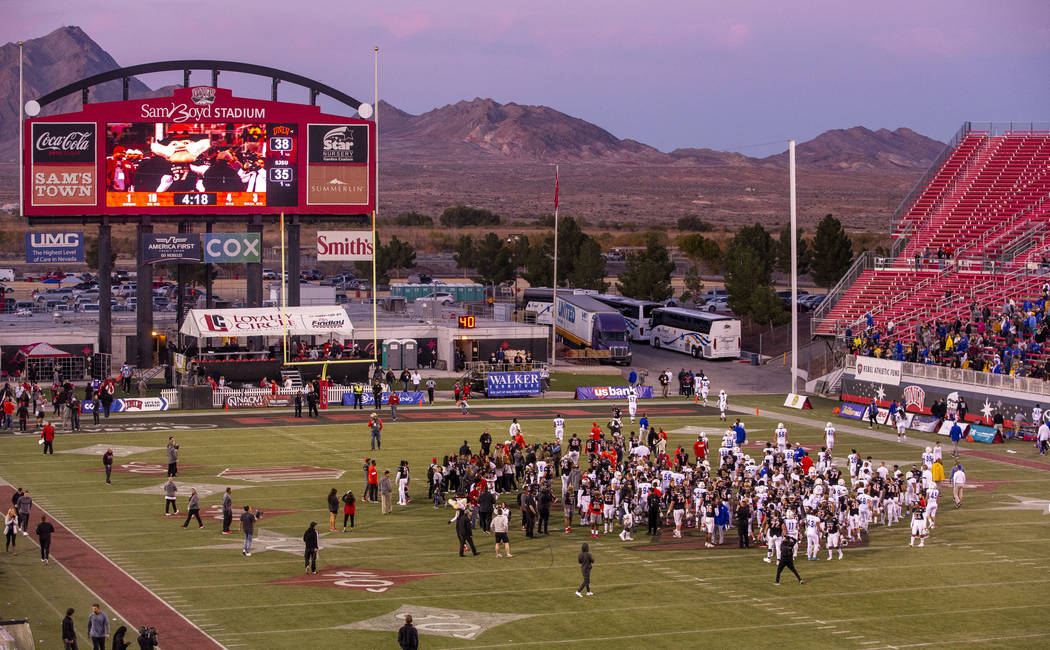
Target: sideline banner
(797, 402)
(411, 398)
(981, 433)
(925, 423)
(512, 384)
(946, 429)
(260, 401)
(612, 392)
(881, 371)
(268, 321)
(129, 405)
(853, 411)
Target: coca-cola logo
(71, 141)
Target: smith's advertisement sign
(54, 247)
(344, 246)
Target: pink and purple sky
(670, 73)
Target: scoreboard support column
(180, 301)
(209, 299)
(143, 298)
(292, 262)
(105, 288)
(253, 277)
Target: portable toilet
(393, 354)
(409, 353)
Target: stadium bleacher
(976, 231)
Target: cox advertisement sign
(612, 392)
(226, 248)
(54, 247)
(512, 384)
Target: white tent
(268, 321)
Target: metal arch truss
(187, 66)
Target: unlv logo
(914, 396)
(203, 95)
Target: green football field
(981, 580)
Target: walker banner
(853, 411)
(411, 398)
(612, 392)
(512, 384)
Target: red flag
(555, 188)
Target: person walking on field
(465, 533)
(227, 511)
(173, 457)
(375, 426)
(169, 497)
(248, 528)
(349, 509)
(98, 628)
(193, 509)
(44, 530)
(69, 632)
(386, 494)
(787, 558)
(333, 508)
(107, 463)
(586, 561)
(408, 636)
(10, 529)
(958, 484)
(47, 434)
(312, 546)
(25, 506)
(501, 526)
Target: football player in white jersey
(559, 426)
(813, 531)
(723, 403)
(932, 495)
(705, 388)
(927, 457)
(791, 528)
(829, 436)
(781, 436)
(632, 402)
(902, 425)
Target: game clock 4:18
(194, 198)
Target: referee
(787, 558)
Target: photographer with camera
(147, 637)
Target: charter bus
(540, 301)
(637, 313)
(701, 334)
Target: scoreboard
(200, 151)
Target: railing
(506, 366)
(968, 377)
(916, 190)
(863, 262)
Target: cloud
(404, 24)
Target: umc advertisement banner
(54, 247)
(512, 384)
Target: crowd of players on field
(611, 479)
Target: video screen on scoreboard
(196, 165)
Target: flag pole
(794, 270)
(554, 301)
(21, 136)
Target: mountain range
(483, 135)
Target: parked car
(440, 297)
(420, 278)
(341, 299)
(311, 275)
(91, 308)
(269, 274)
(717, 304)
